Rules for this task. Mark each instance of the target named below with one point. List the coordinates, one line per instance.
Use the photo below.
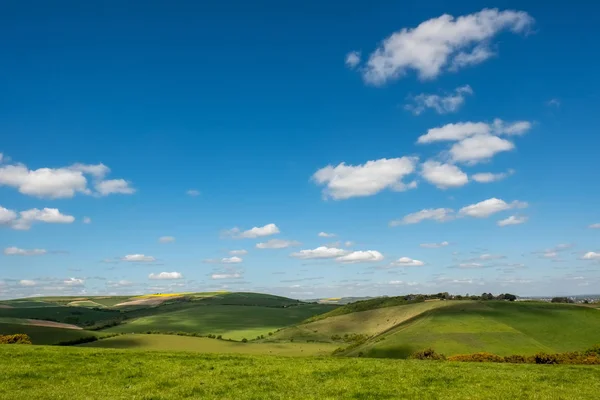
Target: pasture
(34, 372)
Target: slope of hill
(44, 334)
(231, 321)
(371, 322)
(34, 372)
(502, 328)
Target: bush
(477, 357)
(427, 354)
(594, 350)
(19, 338)
(543, 358)
(244, 340)
(516, 359)
(86, 339)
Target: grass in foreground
(144, 342)
(232, 322)
(32, 372)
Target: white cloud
(434, 245)
(63, 182)
(441, 104)
(471, 265)
(348, 243)
(138, 258)
(487, 177)
(277, 244)
(443, 175)
(320, 253)
(488, 207)
(407, 262)
(512, 220)
(267, 230)
(593, 226)
(238, 252)
(226, 276)
(487, 257)
(114, 186)
(326, 235)
(166, 275)
(591, 255)
(87, 220)
(441, 42)
(479, 148)
(15, 251)
(193, 192)
(7, 216)
(27, 282)
(437, 214)
(454, 132)
(231, 260)
(74, 282)
(166, 239)
(46, 215)
(553, 103)
(346, 181)
(352, 59)
(361, 256)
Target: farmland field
(230, 321)
(44, 334)
(33, 372)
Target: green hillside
(143, 342)
(44, 334)
(230, 321)
(501, 328)
(36, 373)
(80, 316)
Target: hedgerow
(19, 338)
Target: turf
(80, 316)
(143, 342)
(372, 322)
(31, 372)
(44, 334)
(231, 321)
(501, 328)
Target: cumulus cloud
(512, 220)
(346, 181)
(434, 245)
(74, 282)
(321, 252)
(352, 59)
(166, 276)
(138, 258)
(488, 207)
(224, 260)
(166, 239)
(479, 148)
(443, 176)
(25, 219)
(15, 251)
(361, 257)
(407, 262)
(234, 275)
(444, 104)
(238, 252)
(27, 282)
(437, 214)
(441, 43)
(488, 177)
(267, 230)
(63, 182)
(277, 244)
(591, 255)
(326, 235)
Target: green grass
(501, 328)
(26, 303)
(372, 322)
(80, 316)
(249, 299)
(366, 305)
(232, 322)
(31, 372)
(143, 342)
(44, 334)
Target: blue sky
(447, 147)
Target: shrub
(427, 354)
(244, 340)
(219, 337)
(515, 359)
(477, 357)
(543, 358)
(19, 338)
(594, 350)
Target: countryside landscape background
(299, 200)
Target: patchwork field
(32, 372)
(230, 321)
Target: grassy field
(142, 342)
(501, 328)
(80, 316)
(31, 372)
(44, 334)
(372, 322)
(230, 321)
